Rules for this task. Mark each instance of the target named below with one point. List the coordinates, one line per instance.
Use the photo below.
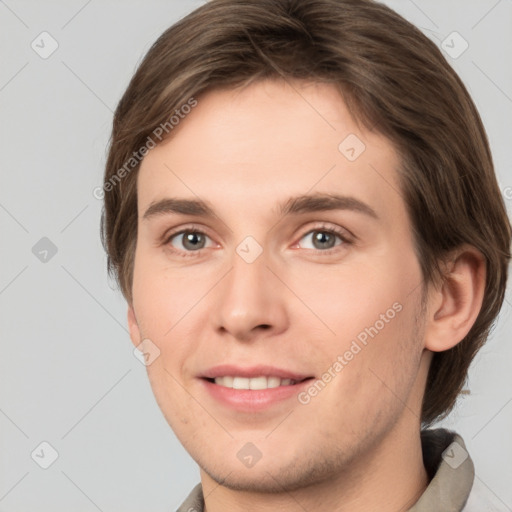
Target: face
(275, 273)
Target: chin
(270, 478)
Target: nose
(250, 302)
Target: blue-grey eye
(190, 240)
(322, 239)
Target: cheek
(350, 299)
(377, 364)
(178, 407)
(164, 296)
(167, 303)
(371, 310)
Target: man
(302, 214)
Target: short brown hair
(394, 81)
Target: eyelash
(342, 234)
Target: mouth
(253, 389)
(254, 383)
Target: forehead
(258, 144)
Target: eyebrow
(294, 205)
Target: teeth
(273, 382)
(258, 383)
(241, 383)
(252, 383)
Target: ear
(133, 326)
(454, 305)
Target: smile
(255, 383)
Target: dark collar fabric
(448, 466)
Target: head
(242, 106)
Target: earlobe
(454, 307)
(133, 326)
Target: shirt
(450, 470)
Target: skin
(296, 306)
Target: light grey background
(67, 372)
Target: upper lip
(252, 371)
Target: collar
(450, 469)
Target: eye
(188, 240)
(323, 239)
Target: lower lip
(253, 400)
